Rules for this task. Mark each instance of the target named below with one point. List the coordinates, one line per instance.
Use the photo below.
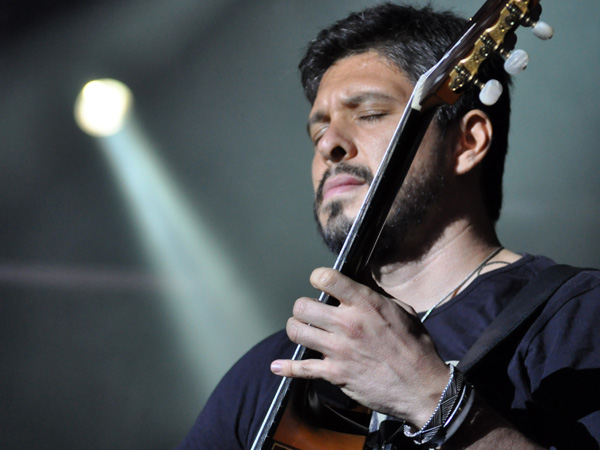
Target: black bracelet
(456, 418)
(453, 407)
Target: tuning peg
(540, 29)
(516, 61)
(490, 91)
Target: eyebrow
(369, 96)
(353, 101)
(317, 117)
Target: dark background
(95, 353)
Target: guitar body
(312, 422)
(296, 433)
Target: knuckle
(308, 370)
(338, 350)
(371, 302)
(324, 277)
(339, 377)
(333, 349)
(368, 298)
(354, 330)
(334, 373)
(300, 307)
(292, 329)
(302, 370)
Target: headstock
(490, 30)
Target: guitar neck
(366, 229)
(363, 236)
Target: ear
(474, 139)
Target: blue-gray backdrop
(96, 353)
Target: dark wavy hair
(414, 39)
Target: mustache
(361, 172)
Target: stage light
(213, 311)
(102, 107)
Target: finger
(310, 336)
(308, 369)
(342, 288)
(309, 310)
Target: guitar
(286, 425)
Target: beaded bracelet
(455, 401)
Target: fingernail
(275, 367)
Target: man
(439, 274)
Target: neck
(458, 250)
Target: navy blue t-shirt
(554, 373)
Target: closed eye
(372, 116)
(316, 137)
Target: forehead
(368, 72)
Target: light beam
(213, 309)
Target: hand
(375, 349)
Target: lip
(340, 184)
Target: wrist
(452, 409)
(429, 395)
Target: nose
(336, 146)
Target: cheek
(380, 147)
(318, 169)
(375, 146)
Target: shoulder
(567, 327)
(559, 354)
(554, 370)
(584, 282)
(570, 316)
(561, 284)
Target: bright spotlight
(215, 312)
(102, 107)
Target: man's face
(359, 103)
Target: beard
(338, 225)
(419, 194)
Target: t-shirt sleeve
(561, 358)
(233, 413)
